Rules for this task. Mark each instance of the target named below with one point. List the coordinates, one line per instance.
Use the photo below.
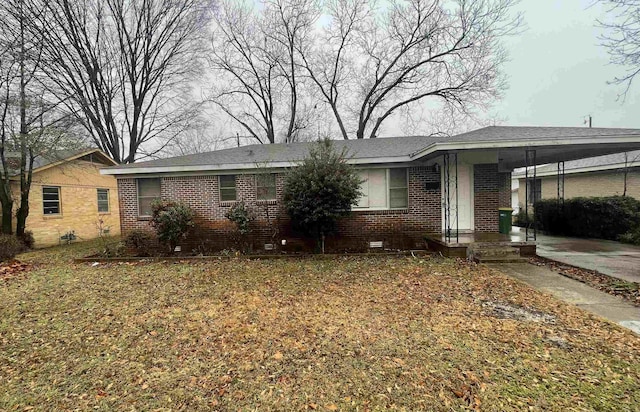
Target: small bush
(632, 237)
(321, 190)
(10, 246)
(591, 217)
(141, 241)
(172, 221)
(28, 240)
(242, 216)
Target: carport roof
(511, 143)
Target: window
(383, 189)
(398, 190)
(51, 200)
(148, 191)
(103, 200)
(535, 190)
(227, 188)
(266, 187)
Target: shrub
(172, 221)
(27, 239)
(10, 246)
(632, 236)
(593, 217)
(320, 190)
(141, 241)
(522, 218)
(242, 216)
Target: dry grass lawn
(351, 334)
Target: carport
(512, 148)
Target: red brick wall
(398, 228)
(492, 190)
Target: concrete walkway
(574, 292)
(611, 258)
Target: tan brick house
(413, 185)
(69, 197)
(590, 177)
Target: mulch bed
(13, 269)
(629, 291)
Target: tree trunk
(25, 170)
(7, 210)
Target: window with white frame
(51, 200)
(228, 188)
(383, 189)
(148, 191)
(103, 200)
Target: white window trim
(59, 201)
(138, 194)
(108, 200)
(387, 192)
(235, 187)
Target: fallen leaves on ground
(13, 269)
(627, 290)
(351, 334)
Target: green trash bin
(504, 220)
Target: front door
(464, 204)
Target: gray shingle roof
(633, 159)
(373, 148)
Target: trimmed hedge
(592, 217)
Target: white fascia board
(237, 166)
(502, 144)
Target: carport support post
(447, 160)
(560, 184)
(530, 160)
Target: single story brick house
(594, 176)
(69, 197)
(413, 185)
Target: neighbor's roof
(590, 164)
(57, 157)
(379, 150)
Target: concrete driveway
(608, 257)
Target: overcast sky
(558, 73)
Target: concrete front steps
(494, 253)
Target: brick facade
(396, 228)
(492, 190)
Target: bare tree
(31, 124)
(330, 62)
(255, 52)
(406, 53)
(124, 67)
(621, 38)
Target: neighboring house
(408, 190)
(69, 197)
(594, 176)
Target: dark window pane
(149, 187)
(397, 178)
(228, 181)
(51, 200)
